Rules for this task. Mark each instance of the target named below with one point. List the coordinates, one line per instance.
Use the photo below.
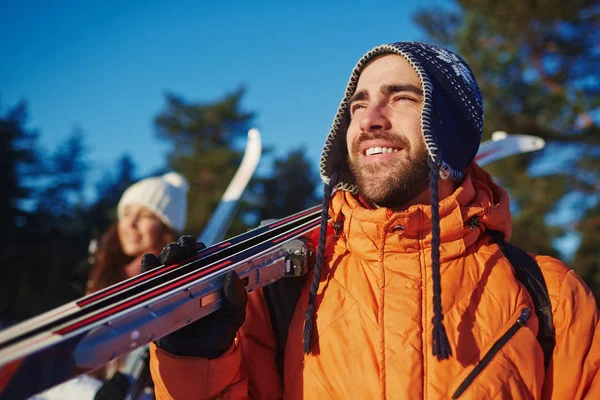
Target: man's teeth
(380, 150)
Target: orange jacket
(374, 318)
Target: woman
(151, 213)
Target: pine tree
(537, 66)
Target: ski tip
(499, 135)
(537, 143)
(252, 133)
(530, 143)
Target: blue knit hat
(451, 125)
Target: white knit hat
(165, 196)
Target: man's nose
(374, 119)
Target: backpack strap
(281, 298)
(528, 272)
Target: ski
(87, 333)
(503, 145)
(221, 219)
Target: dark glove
(213, 335)
(113, 389)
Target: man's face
(386, 151)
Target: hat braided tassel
(312, 295)
(441, 346)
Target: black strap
(528, 272)
(281, 297)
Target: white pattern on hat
(165, 196)
(457, 65)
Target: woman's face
(140, 231)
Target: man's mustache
(388, 136)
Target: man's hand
(213, 335)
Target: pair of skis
(85, 334)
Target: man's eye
(354, 107)
(402, 98)
(402, 101)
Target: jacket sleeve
(247, 370)
(575, 368)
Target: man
(412, 296)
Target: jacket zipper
(525, 314)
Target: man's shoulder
(553, 269)
(561, 280)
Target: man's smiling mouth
(380, 150)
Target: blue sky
(104, 66)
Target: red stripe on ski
(485, 154)
(137, 300)
(295, 232)
(143, 277)
(283, 221)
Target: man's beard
(393, 183)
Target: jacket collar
(474, 207)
